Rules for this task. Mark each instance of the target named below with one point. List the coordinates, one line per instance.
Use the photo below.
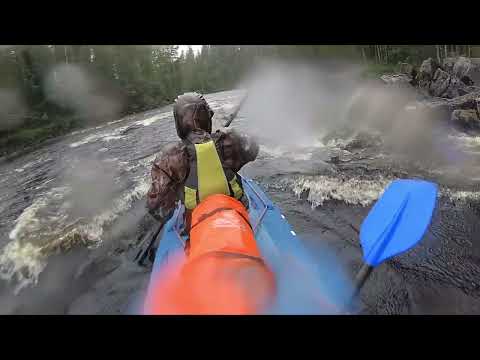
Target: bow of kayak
(221, 284)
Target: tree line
(146, 77)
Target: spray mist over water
(12, 109)
(73, 87)
(294, 105)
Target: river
(72, 213)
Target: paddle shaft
(235, 113)
(142, 254)
(359, 281)
(361, 277)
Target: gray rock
(448, 64)
(444, 106)
(427, 70)
(445, 85)
(462, 67)
(455, 88)
(465, 102)
(466, 119)
(440, 83)
(466, 70)
(470, 89)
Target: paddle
(149, 239)
(396, 223)
(234, 114)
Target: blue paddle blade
(398, 220)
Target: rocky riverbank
(449, 91)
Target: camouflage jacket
(170, 168)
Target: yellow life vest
(207, 176)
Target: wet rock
(468, 101)
(466, 119)
(467, 81)
(467, 70)
(448, 64)
(441, 109)
(440, 83)
(470, 89)
(426, 72)
(462, 67)
(445, 85)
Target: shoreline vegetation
(48, 91)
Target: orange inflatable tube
(223, 272)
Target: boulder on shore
(427, 71)
(445, 85)
(463, 67)
(448, 64)
(447, 92)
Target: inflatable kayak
(240, 262)
(257, 238)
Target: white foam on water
(146, 162)
(45, 227)
(461, 195)
(303, 153)
(21, 263)
(28, 223)
(355, 191)
(338, 143)
(324, 188)
(116, 121)
(153, 119)
(466, 140)
(82, 131)
(105, 136)
(86, 140)
(32, 163)
(44, 184)
(112, 137)
(22, 259)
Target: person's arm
(168, 173)
(238, 149)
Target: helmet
(191, 111)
